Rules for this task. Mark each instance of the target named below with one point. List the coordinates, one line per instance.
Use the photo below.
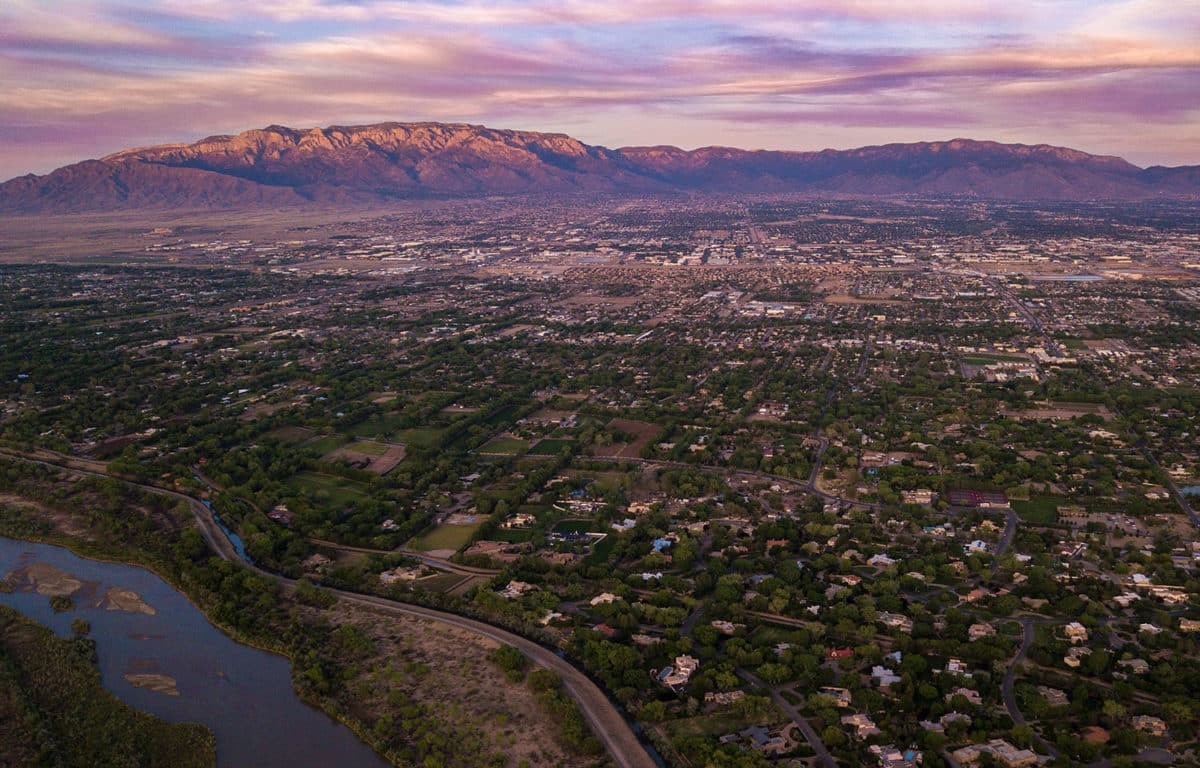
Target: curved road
(606, 722)
(1010, 699)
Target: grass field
(505, 446)
(421, 437)
(1039, 510)
(453, 537)
(327, 444)
(513, 535)
(337, 490)
(368, 447)
(574, 526)
(601, 551)
(290, 435)
(550, 447)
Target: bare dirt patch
(117, 599)
(644, 431)
(164, 684)
(379, 464)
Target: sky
(83, 79)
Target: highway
(609, 726)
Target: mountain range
(278, 166)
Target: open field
(504, 446)
(337, 490)
(291, 435)
(379, 458)
(549, 447)
(1039, 510)
(445, 537)
(644, 431)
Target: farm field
(446, 537)
(644, 431)
(504, 446)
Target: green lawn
(1039, 510)
(420, 437)
(290, 435)
(331, 488)
(550, 447)
(576, 526)
(505, 446)
(327, 444)
(369, 447)
(445, 537)
(513, 535)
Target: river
(242, 694)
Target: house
(1074, 657)
(1076, 632)
(725, 627)
(677, 676)
(881, 561)
(515, 589)
(896, 621)
(1053, 696)
(889, 757)
(604, 598)
(840, 696)
(723, 698)
(1151, 725)
(884, 676)
(977, 631)
(921, 496)
(1189, 625)
(863, 726)
(1003, 752)
(957, 667)
(971, 696)
(1135, 666)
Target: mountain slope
(281, 166)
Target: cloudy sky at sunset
(81, 79)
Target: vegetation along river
(159, 654)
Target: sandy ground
(164, 684)
(117, 599)
(45, 579)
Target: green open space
(1039, 510)
(550, 447)
(504, 446)
(445, 537)
(420, 437)
(326, 444)
(337, 490)
(290, 435)
(575, 526)
(512, 535)
(368, 447)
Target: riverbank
(330, 665)
(55, 711)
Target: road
(823, 758)
(1010, 699)
(609, 726)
